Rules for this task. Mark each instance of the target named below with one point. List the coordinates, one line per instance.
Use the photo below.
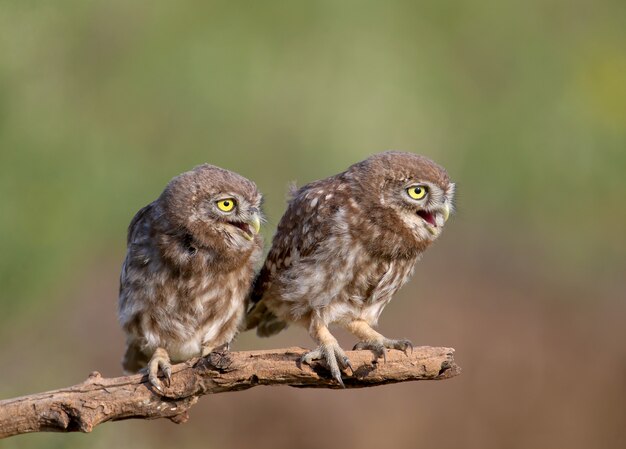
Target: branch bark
(97, 399)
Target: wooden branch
(97, 399)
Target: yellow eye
(417, 192)
(226, 205)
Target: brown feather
(188, 268)
(347, 243)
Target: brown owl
(188, 269)
(344, 246)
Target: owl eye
(226, 205)
(417, 192)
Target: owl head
(216, 207)
(412, 189)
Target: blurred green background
(102, 102)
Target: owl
(189, 267)
(344, 246)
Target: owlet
(344, 246)
(188, 269)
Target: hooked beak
(255, 222)
(255, 226)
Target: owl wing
(137, 237)
(138, 246)
(136, 224)
(303, 227)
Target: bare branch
(97, 400)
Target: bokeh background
(102, 102)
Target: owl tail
(264, 320)
(134, 358)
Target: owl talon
(160, 360)
(310, 356)
(167, 371)
(335, 359)
(401, 345)
(377, 349)
(347, 363)
(339, 379)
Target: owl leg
(160, 359)
(375, 342)
(328, 350)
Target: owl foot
(334, 357)
(379, 348)
(160, 359)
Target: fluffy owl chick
(188, 269)
(344, 246)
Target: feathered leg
(328, 349)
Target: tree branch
(97, 399)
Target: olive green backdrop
(102, 102)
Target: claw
(310, 356)
(340, 380)
(348, 364)
(156, 383)
(402, 345)
(160, 360)
(379, 349)
(167, 371)
(335, 359)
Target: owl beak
(250, 227)
(446, 212)
(255, 223)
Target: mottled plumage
(345, 245)
(188, 268)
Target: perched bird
(188, 269)
(344, 246)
